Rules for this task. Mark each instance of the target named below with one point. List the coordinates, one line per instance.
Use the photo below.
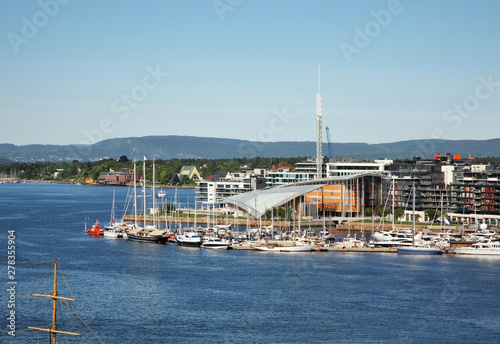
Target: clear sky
(83, 71)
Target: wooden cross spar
(53, 330)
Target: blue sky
(83, 71)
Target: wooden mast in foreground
(53, 331)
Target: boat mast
(248, 223)
(413, 220)
(112, 221)
(265, 219)
(135, 195)
(260, 217)
(272, 219)
(299, 216)
(373, 209)
(53, 331)
(154, 195)
(265, 227)
(393, 192)
(323, 207)
(195, 206)
(144, 189)
(441, 215)
(293, 215)
(208, 215)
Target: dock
(358, 249)
(203, 220)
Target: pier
(205, 220)
(358, 249)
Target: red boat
(96, 229)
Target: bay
(132, 292)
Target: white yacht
(215, 243)
(350, 242)
(189, 239)
(116, 231)
(490, 248)
(289, 247)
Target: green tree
(186, 181)
(399, 212)
(382, 213)
(430, 213)
(368, 211)
(122, 158)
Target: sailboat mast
(208, 215)
(441, 215)
(293, 214)
(135, 195)
(272, 218)
(323, 207)
(413, 220)
(154, 195)
(248, 222)
(393, 192)
(144, 189)
(260, 217)
(53, 330)
(195, 210)
(373, 209)
(112, 221)
(299, 214)
(54, 305)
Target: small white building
(338, 169)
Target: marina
(237, 171)
(335, 294)
(215, 226)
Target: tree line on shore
(78, 171)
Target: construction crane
(330, 153)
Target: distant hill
(171, 147)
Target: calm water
(130, 292)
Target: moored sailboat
(420, 248)
(114, 230)
(147, 235)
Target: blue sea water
(131, 292)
